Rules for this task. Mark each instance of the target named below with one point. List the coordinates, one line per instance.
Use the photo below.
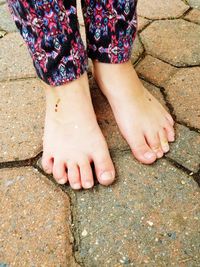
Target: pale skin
(72, 137)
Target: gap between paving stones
(170, 18)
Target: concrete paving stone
(184, 95)
(161, 9)
(186, 149)
(15, 60)
(155, 70)
(193, 16)
(148, 217)
(35, 220)
(22, 109)
(142, 22)
(174, 41)
(6, 21)
(105, 116)
(194, 3)
(137, 50)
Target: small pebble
(150, 223)
(84, 233)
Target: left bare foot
(143, 121)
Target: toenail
(76, 186)
(62, 181)
(88, 185)
(106, 176)
(159, 154)
(166, 148)
(149, 155)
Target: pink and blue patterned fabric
(50, 29)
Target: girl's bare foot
(143, 121)
(72, 138)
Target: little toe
(153, 141)
(170, 132)
(104, 168)
(164, 140)
(86, 174)
(142, 151)
(170, 119)
(59, 171)
(73, 175)
(47, 163)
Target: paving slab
(22, 109)
(193, 16)
(142, 22)
(194, 3)
(161, 9)
(184, 95)
(6, 21)
(154, 70)
(186, 149)
(35, 220)
(148, 217)
(174, 41)
(15, 60)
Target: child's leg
(72, 137)
(111, 28)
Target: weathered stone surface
(194, 3)
(184, 95)
(174, 41)
(149, 217)
(137, 50)
(155, 70)
(193, 16)
(161, 9)
(35, 220)
(106, 119)
(142, 22)
(15, 60)
(186, 149)
(22, 109)
(6, 21)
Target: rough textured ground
(150, 216)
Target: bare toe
(59, 171)
(170, 119)
(142, 151)
(164, 140)
(104, 167)
(73, 175)
(86, 174)
(170, 132)
(47, 163)
(153, 141)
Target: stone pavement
(150, 216)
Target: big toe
(104, 167)
(142, 151)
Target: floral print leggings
(51, 31)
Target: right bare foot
(72, 137)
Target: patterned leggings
(51, 31)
